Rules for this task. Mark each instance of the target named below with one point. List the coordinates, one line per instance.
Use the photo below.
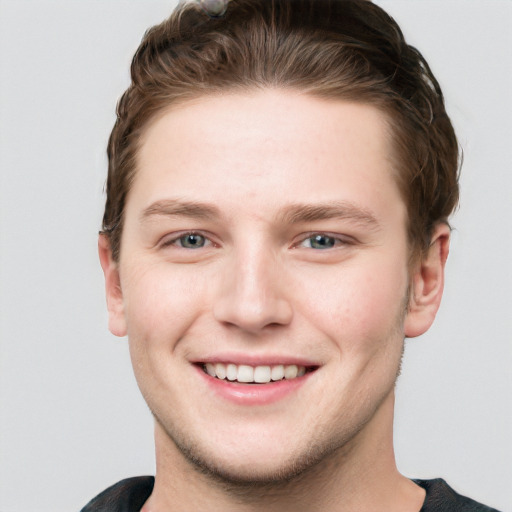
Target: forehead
(266, 148)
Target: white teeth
(248, 374)
(290, 371)
(220, 370)
(245, 373)
(210, 369)
(231, 371)
(277, 372)
(262, 374)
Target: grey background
(71, 419)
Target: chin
(253, 469)
(254, 474)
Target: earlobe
(427, 283)
(115, 305)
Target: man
(280, 178)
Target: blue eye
(191, 241)
(320, 241)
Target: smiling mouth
(255, 374)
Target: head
(280, 179)
(339, 49)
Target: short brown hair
(341, 49)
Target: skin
(275, 167)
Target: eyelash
(336, 240)
(174, 241)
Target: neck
(358, 476)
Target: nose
(251, 293)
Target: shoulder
(128, 495)
(442, 498)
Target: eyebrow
(301, 213)
(180, 208)
(296, 213)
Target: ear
(427, 283)
(115, 304)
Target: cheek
(359, 306)
(160, 303)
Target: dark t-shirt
(130, 495)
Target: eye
(189, 241)
(321, 241)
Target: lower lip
(253, 394)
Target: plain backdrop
(71, 418)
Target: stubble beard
(298, 473)
(323, 456)
(301, 471)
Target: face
(263, 279)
